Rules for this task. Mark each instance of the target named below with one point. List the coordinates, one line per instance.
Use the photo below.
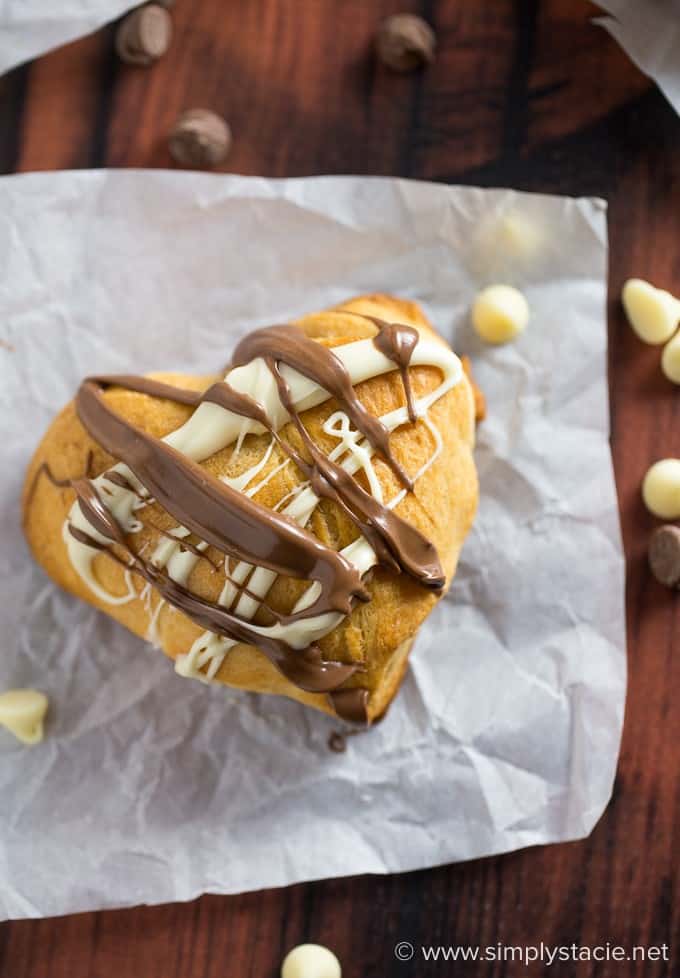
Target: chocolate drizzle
(351, 704)
(397, 544)
(242, 529)
(118, 479)
(227, 519)
(185, 545)
(308, 669)
(289, 345)
(89, 541)
(45, 470)
(397, 343)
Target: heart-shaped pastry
(284, 528)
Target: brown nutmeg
(201, 138)
(664, 555)
(405, 42)
(144, 35)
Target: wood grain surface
(522, 94)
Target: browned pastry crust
(480, 400)
(377, 634)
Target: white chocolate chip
(661, 489)
(310, 961)
(500, 313)
(670, 359)
(22, 712)
(653, 313)
(519, 236)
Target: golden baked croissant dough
(197, 512)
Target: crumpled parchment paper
(152, 788)
(29, 28)
(649, 32)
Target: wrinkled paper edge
(20, 42)
(656, 53)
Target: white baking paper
(152, 788)
(29, 28)
(649, 32)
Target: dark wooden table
(525, 94)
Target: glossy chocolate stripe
(232, 400)
(290, 345)
(95, 512)
(184, 544)
(118, 479)
(147, 385)
(396, 542)
(397, 342)
(307, 668)
(351, 704)
(218, 514)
